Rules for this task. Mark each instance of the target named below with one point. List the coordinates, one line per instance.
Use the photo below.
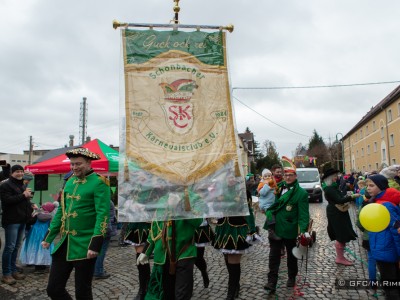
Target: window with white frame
(383, 154)
(376, 166)
(361, 135)
(389, 115)
(375, 146)
(366, 130)
(368, 149)
(391, 140)
(373, 125)
(393, 161)
(362, 152)
(382, 132)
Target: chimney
(71, 140)
(88, 139)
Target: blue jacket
(267, 197)
(385, 245)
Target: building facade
(374, 142)
(18, 159)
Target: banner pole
(117, 24)
(176, 11)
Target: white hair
(330, 179)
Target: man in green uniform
(81, 221)
(291, 215)
(172, 242)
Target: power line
(313, 86)
(270, 119)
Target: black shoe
(270, 287)
(291, 282)
(102, 276)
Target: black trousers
(60, 271)
(389, 272)
(180, 285)
(275, 259)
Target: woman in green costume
(230, 239)
(136, 234)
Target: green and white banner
(179, 148)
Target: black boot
(144, 277)
(238, 281)
(233, 282)
(202, 266)
(206, 280)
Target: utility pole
(30, 150)
(83, 121)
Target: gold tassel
(126, 171)
(187, 201)
(237, 170)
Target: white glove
(142, 259)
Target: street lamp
(342, 148)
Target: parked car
(309, 179)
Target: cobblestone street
(321, 272)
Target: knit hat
(266, 172)
(48, 206)
(380, 181)
(27, 176)
(16, 168)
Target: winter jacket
(290, 210)
(385, 245)
(267, 197)
(340, 227)
(16, 207)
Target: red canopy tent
(59, 164)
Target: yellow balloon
(374, 217)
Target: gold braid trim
(63, 212)
(104, 226)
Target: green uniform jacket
(82, 217)
(185, 230)
(292, 218)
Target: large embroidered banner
(178, 145)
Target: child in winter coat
(32, 252)
(266, 190)
(361, 190)
(385, 245)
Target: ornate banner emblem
(177, 108)
(179, 137)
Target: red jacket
(391, 195)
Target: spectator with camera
(16, 205)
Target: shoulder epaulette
(104, 179)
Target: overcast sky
(54, 53)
